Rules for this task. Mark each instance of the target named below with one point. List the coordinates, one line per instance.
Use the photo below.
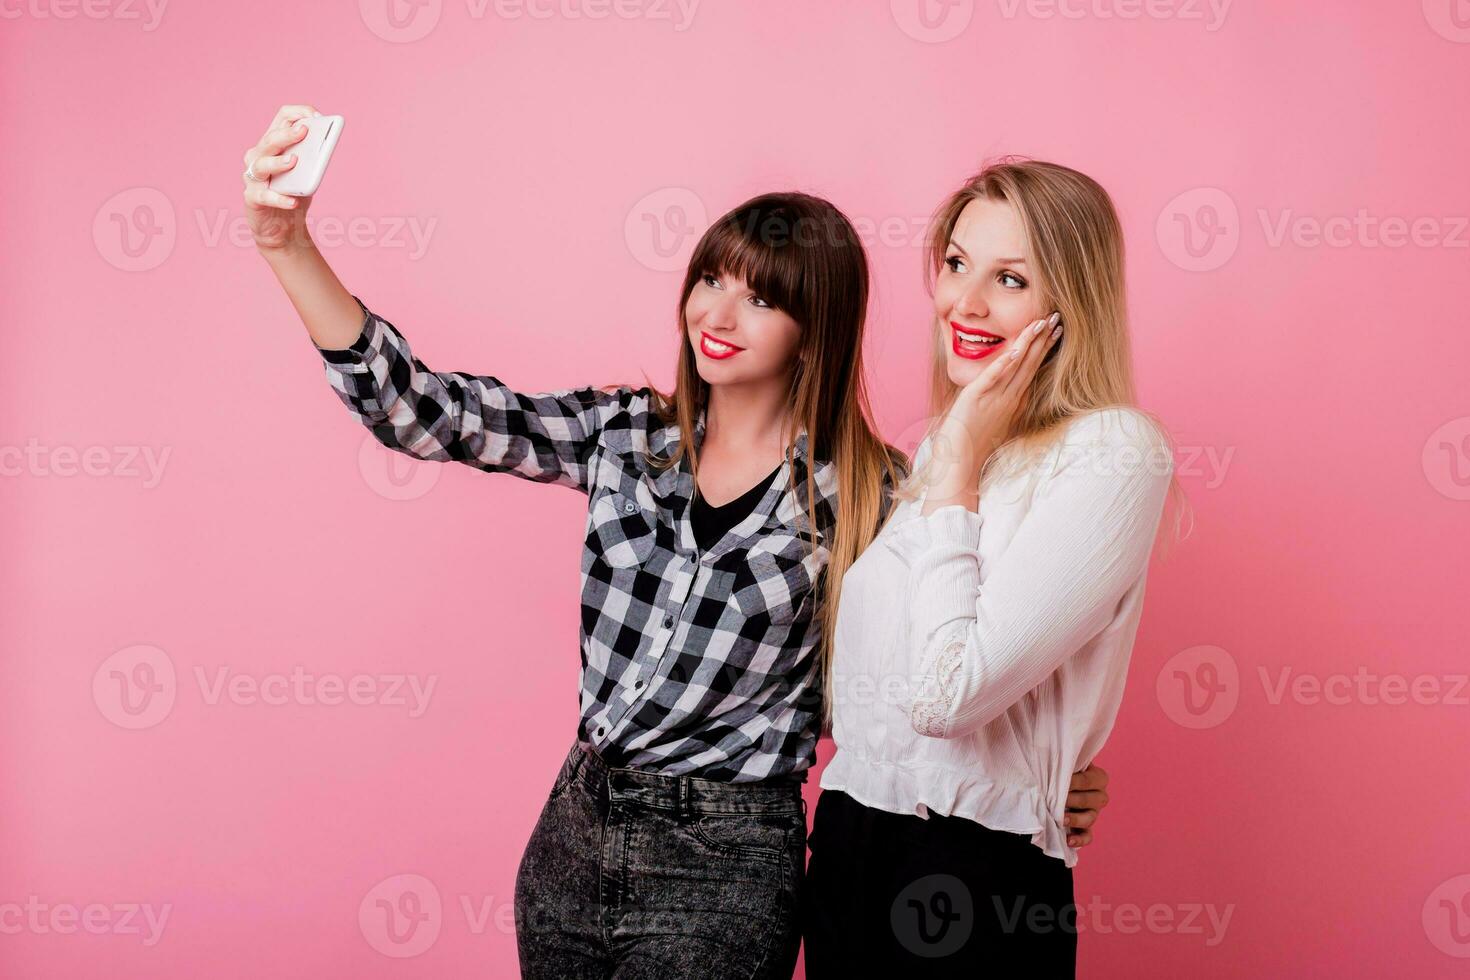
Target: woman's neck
(750, 417)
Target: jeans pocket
(760, 836)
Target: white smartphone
(312, 153)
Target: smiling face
(984, 294)
(737, 336)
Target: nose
(720, 314)
(971, 302)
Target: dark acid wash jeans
(633, 874)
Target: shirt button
(668, 622)
(629, 507)
(638, 686)
(600, 731)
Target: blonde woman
(998, 604)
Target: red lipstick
(715, 348)
(964, 343)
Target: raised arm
(430, 415)
(467, 418)
(1085, 540)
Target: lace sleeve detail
(933, 706)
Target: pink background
(1317, 390)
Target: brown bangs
(761, 244)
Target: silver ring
(250, 172)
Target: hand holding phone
(312, 152)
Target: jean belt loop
(685, 809)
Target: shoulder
(1116, 442)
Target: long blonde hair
(802, 256)
(1074, 248)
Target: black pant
(892, 894)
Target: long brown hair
(803, 257)
(1074, 245)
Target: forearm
(332, 317)
(952, 472)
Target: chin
(962, 372)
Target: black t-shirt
(711, 523)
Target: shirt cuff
(950, 528)
(369, 342)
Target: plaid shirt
(692, 663)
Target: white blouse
(980, 657)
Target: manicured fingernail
(1040, 325)
(1055, 317)
(1073, 841)
(1056, 333)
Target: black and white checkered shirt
(692, 663)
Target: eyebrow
(1006, 261)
